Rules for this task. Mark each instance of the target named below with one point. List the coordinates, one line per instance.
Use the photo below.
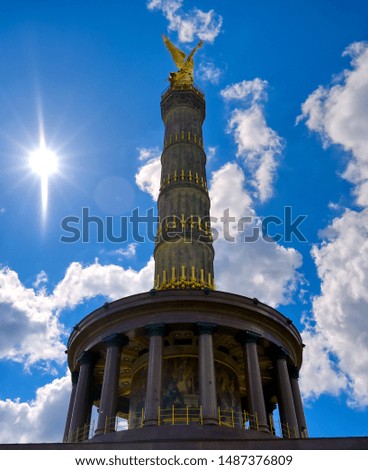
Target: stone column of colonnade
(298, 403)
(82, 402)
(156, 333)
(74, 376)
(110, 384)
(207, 378)
(253, 379)
(289, 421)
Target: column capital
(282, 353)
(294, 373)
(248, 336)
(75, 376)
(116, 340)
(156, 329)
(204, 328)
(87, 357)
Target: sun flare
(44, 162)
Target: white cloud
(208, 72)
(148, 153)
(211, 152)
(39, 420)
(251, 133)
(334, 206)
(247, 90)
(259, 269)
(197, 23)
(128, 252)
(319, 374)
(41, 278)
(237, 199)
(30, 333)
(148, 177)
(337, 342)
(339, 113)
(83, 282)
(29, 329)
(258, 145)
(340, 311)
(2, 210)
(273, 277)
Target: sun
(44, 162)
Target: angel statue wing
(177, 55)
(184, 76)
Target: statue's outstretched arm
(190, 56)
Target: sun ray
(44, 194)
(44, 162)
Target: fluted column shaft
(253, 379)
(298, 402)
(110, 384)
(207, 377)
(286, 402)
(156, 335)
(82, 402)
(71, 406)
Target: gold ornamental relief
(184, 77)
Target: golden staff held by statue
(184, 76)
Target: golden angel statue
(184, 76)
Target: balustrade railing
(184, 416)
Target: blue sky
(286, 86)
